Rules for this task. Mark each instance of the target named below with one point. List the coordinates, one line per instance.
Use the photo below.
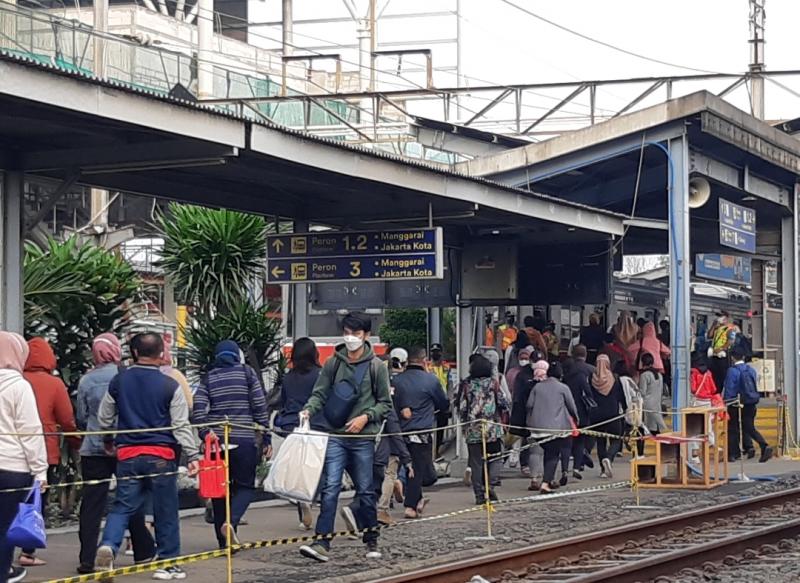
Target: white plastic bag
(297, 467)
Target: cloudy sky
(502, 44)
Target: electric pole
(757, 57)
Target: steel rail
(495, 564)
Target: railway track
(639, 551)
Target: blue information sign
(352, 256)
(338, 244)
(353, 268)
(729, 268)
(737, 226)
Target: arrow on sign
(277, 271)
(277, 244)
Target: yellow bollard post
(487, 485)
(228, 532)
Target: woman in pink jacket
(650, 344)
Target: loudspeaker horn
(699, 192)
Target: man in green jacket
(351, 446)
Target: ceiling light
(495, 232)
(571, 229)
(748, 198)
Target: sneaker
(422, 504)
(564, 479)
(751, 453)
(316, 551)
(766, 454)
(577, 475)
(128, 547)
(306, 516)
(372, 550)
(104, 560)
(385, 518)
(16, 574)
(223, 532)
(85, 569)
(493, 496)
(603, 476)
(169, 573)
(606, 463)
(349, 518)
(399, 495)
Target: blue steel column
(11, 209)
(789, 290)
(679, 271)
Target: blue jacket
(91, 389)
(735, 384)
(141, 397)
(295, 391)
(422, 393)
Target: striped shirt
(234, 394)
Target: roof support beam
(644, 94)
(384, 171)
(558, 106)
(489, 106)
(52, 200)
(534, 172)
(140, 155)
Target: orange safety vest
(509, 334)
(488, 339)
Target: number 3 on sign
(355, 268)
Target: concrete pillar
(300, 304)
(480, 319)
(679, 272)
(205, 40)
(11, 215)
(791, 333)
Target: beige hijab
(626, 330)
(603, 378)
(13, 351)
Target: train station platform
(446, 534)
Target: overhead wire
(601, 42)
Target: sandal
(26, 560)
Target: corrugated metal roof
(136, 90)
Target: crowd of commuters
(522, 402)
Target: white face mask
(524, 362)
(353, 343)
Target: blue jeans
(356, 456)
(130, 497)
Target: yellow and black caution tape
(142, 567)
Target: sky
(501, 44)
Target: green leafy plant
(253, 328)
(73, 292)
(404, 328)
(212, 256)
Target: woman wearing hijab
(481, 399)
(536, 453)
(55, 413)
(98, 462)
(24, 456)
(650, 344)
(551, 409)
(521, 389)
(610, 398)
(232, 391)
(523, 362)
(512, 352)
(626, 331)
(167, 369)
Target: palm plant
(73, 292)
(212, 256)
(216, 260)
